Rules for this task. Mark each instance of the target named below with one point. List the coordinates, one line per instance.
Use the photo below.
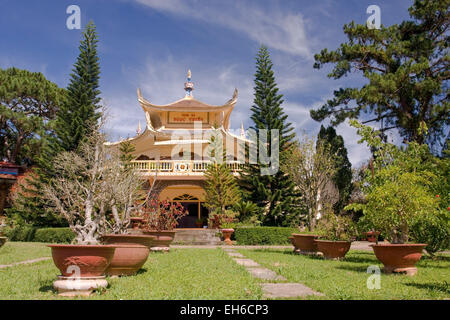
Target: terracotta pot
(163, 238)
(90, 260)
(130, 255)
(333, 249)
(399, 257)
(304, 243)
(227, 236)
(372, 236)
(199, 224)
(2, 241)
(136, 222)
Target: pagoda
(173, 147)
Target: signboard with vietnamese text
(187, 117)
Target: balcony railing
(179, 166)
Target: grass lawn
(348, 279)
(179, 274)
(20, 251)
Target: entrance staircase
(197, 236)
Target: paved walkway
(2, 266)
(271, 290)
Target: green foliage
(399, 190)
(247, 211)
(222, 190)
(54, 235)
(407, 72)
(263, 235)
(274, 193)
(28, 103)
(28, 233)
(80, 114)
(342, 178)
(76, 115)
(336, 227)
(434, 231)
(20, 233)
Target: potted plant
(304, 243)
(336, 233)
(226, 223)
(123, 190)
(161, 218)
(199, 222)
(372, 236)
(77, 193)
(398, 195)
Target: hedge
(264, 235)
(33, 234)
(54, 235)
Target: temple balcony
(179, 168)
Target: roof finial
(242, 129)
(138, 130)
(189, 86)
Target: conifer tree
(274, 193)
(222, 190)
(77, 116)
(343, 175)
(81, 112)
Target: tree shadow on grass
(433, 286)
(358, 259)
(141, 271)
(47, 287)
(362, 269)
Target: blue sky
(151, 44)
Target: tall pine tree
(78, 114)
(343, 176)
(81, 112)
(274, 193)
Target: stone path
(2, 266)
(271, 290)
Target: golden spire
(189, 85)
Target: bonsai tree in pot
(123, 188)
(160, 219)
(397, 197)
(77, 193)
(336, 233)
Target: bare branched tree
(312, 168)
(77, 190)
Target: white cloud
(284, 31)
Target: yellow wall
(178, 190)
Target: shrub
(33, 234)
(20, 233)
(54, 235)
(263, 235)
(336, 227)
(434, 231)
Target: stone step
(197, 237)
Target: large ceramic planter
(227, 236)
(2, 241)
(162, 240)
(372, 236)
(304, 243)
(333, 249)
(130, 255)
(401, 258)
(82, 260)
